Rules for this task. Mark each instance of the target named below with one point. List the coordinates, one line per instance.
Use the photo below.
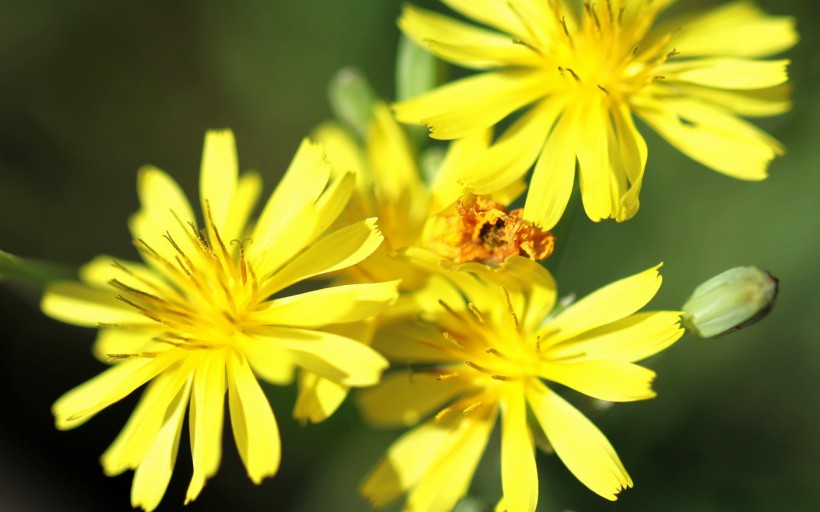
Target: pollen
(481, 230)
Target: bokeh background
(90, 90)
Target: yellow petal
(491, 13)
(406, 397)
(511, 156)
(81, 403)
(403, 464)
(462, 43)
(165, 212)
(455, 463)
(244, 201)
(302, 184)
(435, 452)
(758, 103)
(154, 472)
(140, 432)
(554, 174)
(337, 250)
(318, 398)
(608, 304)
(393, 162)
(450, 111)
(337, 304)
(102, 269)
(725, 73)
(519, 475)
(628, 155)
(252, 421)
(630, 339)
(578, 443)
(537, 284)
(400, 341)
(269, 361)
(218, 175)
(346, 155)
(332, 202)
(82, 305)
(113, 342)
(455, 168)
(598, 189)
(206, 418)
(329, 355)
(610, 380)
(739, 29)
(712, 136)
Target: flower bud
(730, 301)
(352, 99)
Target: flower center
(210, 288)
(605, 50)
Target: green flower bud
(730, 301)
(352, 99)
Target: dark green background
(91, 90)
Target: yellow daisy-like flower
(201, 315)
(486, 348)
(435, 215)
(584, 71)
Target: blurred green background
(91, 90)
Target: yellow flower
(486, 347)
(584, 72)
(198, 316)
(413, 213)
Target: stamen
(243, 268)
(538, 343)
(566, 30)
(673, 53)
(474, 310)
(574, 75)
(523, 19)
(148, 251)
(603, 89)
(472, 407)
(188, 265)
(146, 312)
(493, 351)
(592, 13)
(450, 309)
(149, 297)
(119, 266)
(442, 413)
(527, 45)
(212, 226)
(635, 50)
(122, 357)
(510, 309)
(474, 366)
(659, 77)
(449, 337)
(500, 377)
(429, 344)
(446, 376)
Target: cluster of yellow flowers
(438, 279)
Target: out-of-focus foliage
(91, 90)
